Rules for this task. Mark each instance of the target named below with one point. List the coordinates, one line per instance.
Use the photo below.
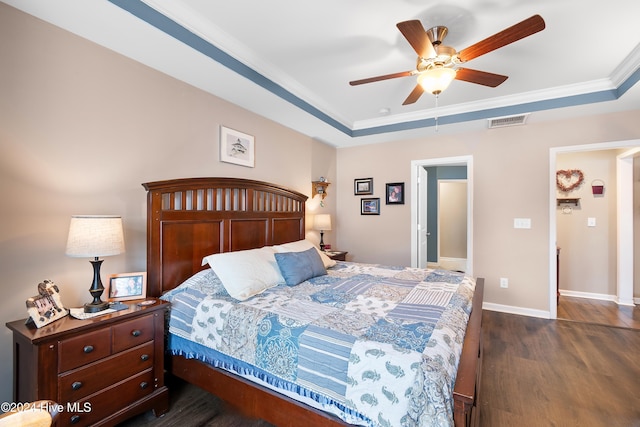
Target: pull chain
(436, 117)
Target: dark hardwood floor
(536, 373)
(539, 372)
(599, 312)
(191, 406)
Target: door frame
(624, 219)
(415, 197)
(422, 246)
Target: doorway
(624, 242)
(421, 232)
(452, 224)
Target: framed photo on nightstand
(46, 307)
(127, 286)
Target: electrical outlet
(504, 282)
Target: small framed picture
(395, 193)
(46, 307)
(362, 186)
(127, 286)
(237, 147)
(370, 206)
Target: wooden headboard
(188, 219)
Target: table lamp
(322, 222)
(94, 236)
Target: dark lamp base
(94, 308)
(96, 290)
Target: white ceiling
(291, 60)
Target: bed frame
(190, 218)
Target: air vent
(500, 122)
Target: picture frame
(127, 286)
(362, 186)
(237, 147)
(46, 307)
(395, 193)
(370, 206)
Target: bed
(224, 219)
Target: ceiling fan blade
(512, 34)
(416, 35)
(379, 78)
(480, 77)
(414, 95)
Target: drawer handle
(88, 348)
(144, 357)
(76, 385)
(144, 385)
(75, 419)
(136, 333)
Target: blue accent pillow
(296, 267)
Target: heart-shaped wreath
(568, 180)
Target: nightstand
(101, 370)
(337, 255)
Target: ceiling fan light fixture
(436, 63)
(436, 80)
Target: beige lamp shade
(95, 236)
(322, 222)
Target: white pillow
(303, 245)
(246, 273)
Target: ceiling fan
(437, 63)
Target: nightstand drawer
(101, 405)
(132, 333)
(89, 379)
(78, 351)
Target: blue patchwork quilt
(375, 345)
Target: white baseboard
(516, 310)
(601, 297)
(589, 295)
(543, 314)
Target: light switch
(522, 223)
(591, 222)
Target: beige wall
(510, 180)
(452, 215)
(80, 129)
